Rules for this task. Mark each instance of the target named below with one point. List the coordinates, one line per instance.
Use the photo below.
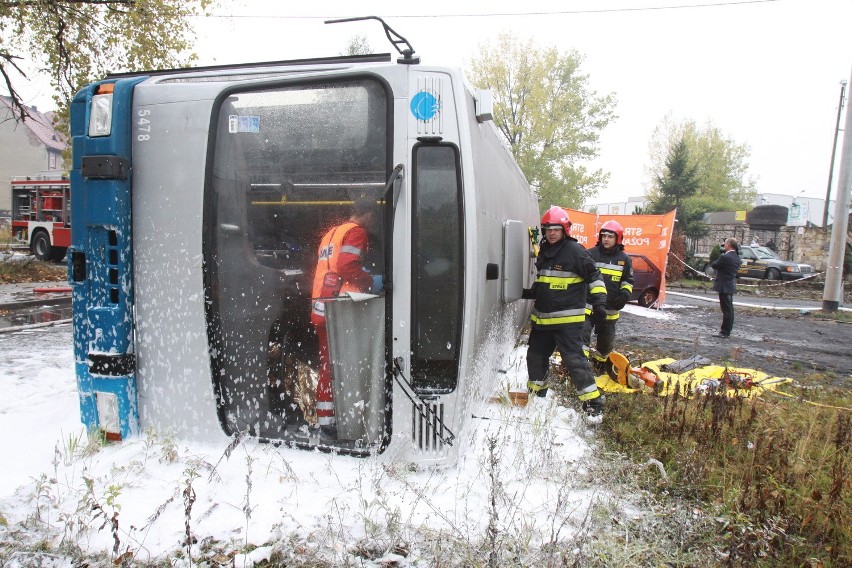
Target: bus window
(437, 274)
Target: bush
(778, 470)
(715, 253)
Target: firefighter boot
(537, 367)
(600, 362)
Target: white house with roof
(31, 147)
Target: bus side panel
(495, 192)
(175, 385)
(501, 193)
(436, 273)
(100, 262)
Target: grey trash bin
(356, 340)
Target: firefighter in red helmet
(340, 268)
(567, 280)
(617, 271)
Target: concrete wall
(808, 245)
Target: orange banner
(646, 235)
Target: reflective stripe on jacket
(341, 251)
(616, 269)
(566, 278)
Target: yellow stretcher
(650, 377)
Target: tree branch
(29, 3)
(19, 110)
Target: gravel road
(791, 342)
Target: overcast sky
(766, 72)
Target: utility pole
(832, 295)
(833, 149)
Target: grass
(690, 283)
(6, 239)
(26, 269)
(840, 317)
(31, 270)
(777, 471)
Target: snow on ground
(649, 313)
(519, 467)
(38, 405)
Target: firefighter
(340, 268)
(567, 279)
(617, 271)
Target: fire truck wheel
(58, 253)
(40, 246)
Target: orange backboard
(643, 234)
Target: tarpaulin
(648, 235)
(707, 379)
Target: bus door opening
(287, 166)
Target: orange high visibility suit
(340, 269)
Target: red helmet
(613, 227)
(556, 216)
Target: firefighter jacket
(617, 272)
(340, 266)
(567, 278)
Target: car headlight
(793, 269)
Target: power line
(513, 14)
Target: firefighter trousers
(604, 335)
(568, 340)
(325, 388)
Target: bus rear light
(108, 421)
(100, 115)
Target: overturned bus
(200, 198)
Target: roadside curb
(35, 303)
(30, 294)
(33, 326)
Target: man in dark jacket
(725, 284)
(616, 268)
(567, 279)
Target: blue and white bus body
(200, 197)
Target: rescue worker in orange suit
(616, 268)
(340, 269)
(567, 279)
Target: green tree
(720, 163)
(675, 188)
(77, 41)
(549, 116)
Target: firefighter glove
(598, 314)
(621, 300)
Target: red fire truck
(41, 215)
